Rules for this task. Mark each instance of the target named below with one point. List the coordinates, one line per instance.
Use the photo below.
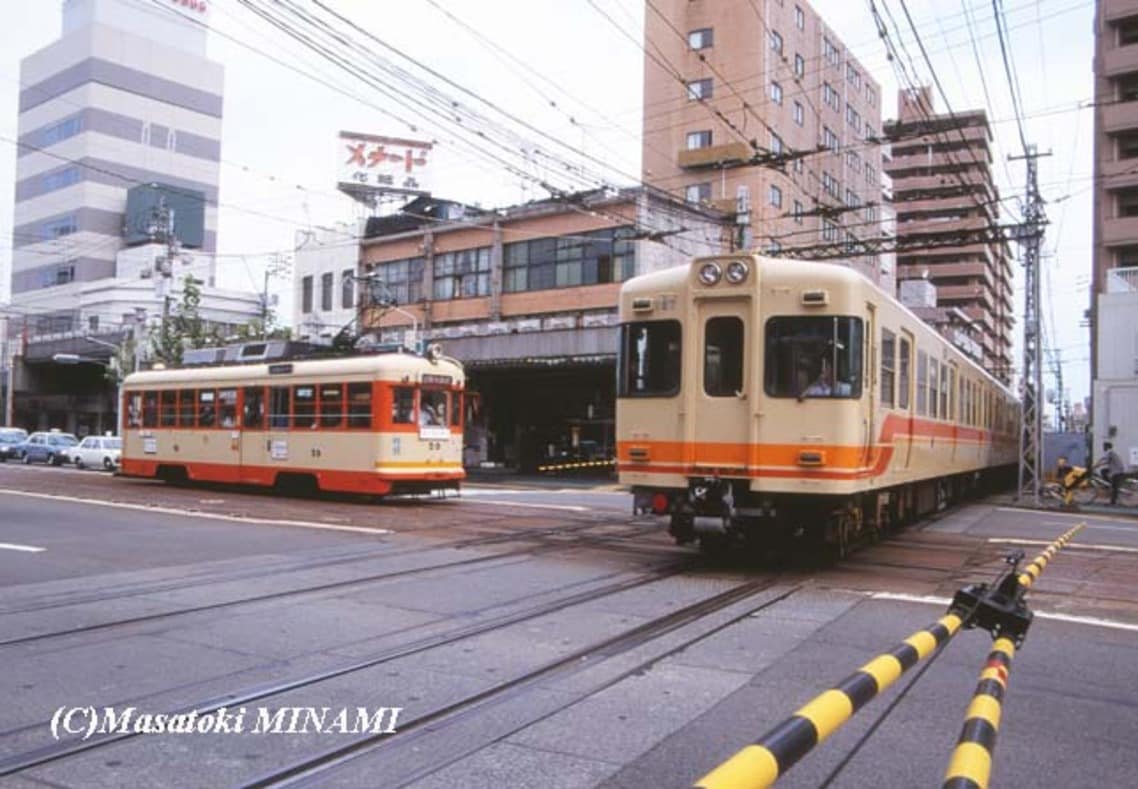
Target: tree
(183, 328)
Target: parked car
(53, 448)
(96, 451)
(10, 439)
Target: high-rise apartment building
(1114, 287)
(758, 105)
(125, 97)
(941, 169)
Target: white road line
(1070, 546)
(203, 515)
(11, 546)
(567, 507)
(944, 601)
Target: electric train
(764, 400)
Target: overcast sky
(574, 74)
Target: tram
(375, 424)
(761, 400)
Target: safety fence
(576, 465)
(998, 608)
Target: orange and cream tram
(761, 400)
(374, 424)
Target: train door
(720, 438)
(903, 437)
(869, 358)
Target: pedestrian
(1113, 469)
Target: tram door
(869, 358)
(253, 436)
(719, 436)
(903, 438)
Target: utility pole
(277, 266)
(1030, 236)
(161, 228)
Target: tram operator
(824, 385)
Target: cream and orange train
(373, 424)
(762, 399)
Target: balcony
(1120, 60)
(1120, 117)
(732, 153)
(1112, 10)
(1120, 230)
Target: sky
(573, 70)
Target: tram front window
(813, 357)
(649, 360)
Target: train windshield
(814, 357)
(649, 362)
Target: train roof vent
(815, 298)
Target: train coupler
(998, 609)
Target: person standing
(1114, 468)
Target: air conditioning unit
(742, 200)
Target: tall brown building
(732, 89)
(941, 167)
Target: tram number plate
(278, 450)
(150, 446)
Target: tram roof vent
(815, 298)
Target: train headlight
(736, 272)
(710, 273)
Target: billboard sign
(372, 164)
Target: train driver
(824, 385)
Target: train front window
(649, 359)
(813, 357)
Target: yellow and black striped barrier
(1031, 573)
(761, 764)
(576, 466)
(971, 762)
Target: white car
(98, 451)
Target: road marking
(1075, 619)
(11, 546)
(203, 515)
(1068, 547)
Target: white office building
(325, 289)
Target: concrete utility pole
(1030, 236)
(278, 266)
(161, 228)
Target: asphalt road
(530, 636)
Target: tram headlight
(710, 273)
(736, 272)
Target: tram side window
(304, 405)
(359, 405)
(723, 357)
(278, 407)
(903, 376)
(187, 407)
(888, 346)
(227, 407)
(944, 373)
(207, 408)
(150, 409)
(813, 357)
(952, 395)
(922, 383)
(331, 405)
(649, 359)
(134, 411)
(254, 418)
(934, 375)
(403, 405)
(168, 408)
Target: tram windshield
(814, 357)
(649, 362)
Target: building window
(61, 131)
(871, 95)
(697, 193)
(829, 184)
(776, 41)
(870, 174)
(58, 228)
(799, 113)
(776, 93)
(398, 281)
(594, 258)
(462, 275)
(1127, 85)
(699, 139)
(776, 196)
(869, 135)
(829, 139)
(830, 97)
(699, 89)
(347, 289)
(798, 211)
(853, 161)
(852, 200)
(776, 143)
(60, 179)
(830, 52)
(830, 231)
(852, 117)
(853, 76)
(799, 65)
(306, 294)
(326, 284)
(799, 167)
(799, 18)
(700, 39)
(1127, 145)
(1128, 31)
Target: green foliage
(182, 328)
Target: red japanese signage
(384, 164)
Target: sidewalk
(1048, 505)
